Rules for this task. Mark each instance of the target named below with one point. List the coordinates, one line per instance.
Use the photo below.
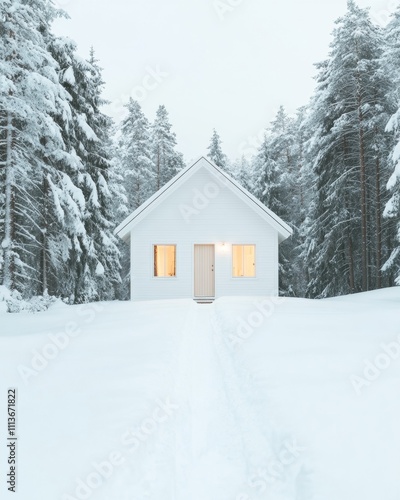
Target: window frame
(153, 255)
(255, 260)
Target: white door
(204, 275)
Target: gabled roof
(124, 229)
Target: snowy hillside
(248, 398)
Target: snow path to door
(219, 441)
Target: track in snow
(219, 440)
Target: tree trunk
(378, 214)
(351, 264)
(158, 169)
(350, 247)
(363, 182)
(9, 212)
(44, 237)
(9, 216)
(301, 180)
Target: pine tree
(390, 60)
(242, 171)
(167, 161)
(135, 156)
(120, 211)
(30, 95)
(268, 176)
(216, 154)
(94, 258)
(301, 194)
(348, 114)
(278, 183)
(66, 232)
(275, 163)
(99, 217)
(392, 211)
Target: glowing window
(164, 261)
(243, 261)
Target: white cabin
(203, 236)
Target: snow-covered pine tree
(100, 219)
(30, 95)
(392, 209)
(116, 184)
(215, 152)
(242, 171)
(301, 194)
(95, 259)
(119, 211)
(278, 183)
(391, 61)
(135, 156)
(167, 161)
(134, 172)
(274, 163)
(66, 230)
(347, 116)
(267, 183)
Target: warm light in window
(164, 261)
(243, 261)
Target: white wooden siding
(224, 219)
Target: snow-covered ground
(249, 398)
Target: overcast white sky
(224, 64)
